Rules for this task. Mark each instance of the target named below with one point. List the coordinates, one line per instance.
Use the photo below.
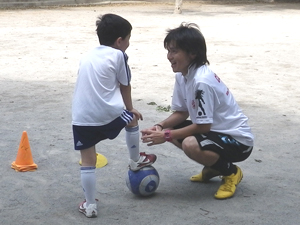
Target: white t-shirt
(208, 101)
(97, 98)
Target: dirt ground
(254, 48)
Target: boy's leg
(88, 181)
(137, 159)
(132, 141)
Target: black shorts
(224, 145)
(88, 136)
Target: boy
(217, 133)
(102, 89)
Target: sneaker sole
(141, 166)
(84, 213)
(83, 210)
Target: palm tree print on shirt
(199, 97)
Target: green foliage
(160, 108)
(163, 108)
(151, 103)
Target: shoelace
(228, 182)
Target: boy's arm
(126, 95)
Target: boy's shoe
(227, 189)
(144, 160)
(90, 211)
(206, 174)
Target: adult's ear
(192, 56)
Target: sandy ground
(254, 48)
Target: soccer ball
(143, 182)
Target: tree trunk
(178, 5)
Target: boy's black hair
(110, 27)
(188, 38)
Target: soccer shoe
(144, 160)
(206, 174)
(227, 189)
(90, 211)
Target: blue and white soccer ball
(143, 182)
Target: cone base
(23, 168)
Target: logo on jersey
(227, 92)
(217, 78)
(199, 97)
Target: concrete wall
(42, 3)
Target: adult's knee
(190, 145)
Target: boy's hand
(137, 114)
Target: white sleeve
(123, 71)
(178, 99)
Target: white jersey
(208, 101)
(97, 98)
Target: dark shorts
(224, 145)
(88, 136)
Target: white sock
(133, 140)
(88, 182)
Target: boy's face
(179, 59)
(122, 44)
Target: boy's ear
(118, 42)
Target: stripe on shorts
(126, 117)
(209, 142)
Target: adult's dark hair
(110, 27)
(188, 38)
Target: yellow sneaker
(227, 189)
(206, 174)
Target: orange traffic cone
(24, 161)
